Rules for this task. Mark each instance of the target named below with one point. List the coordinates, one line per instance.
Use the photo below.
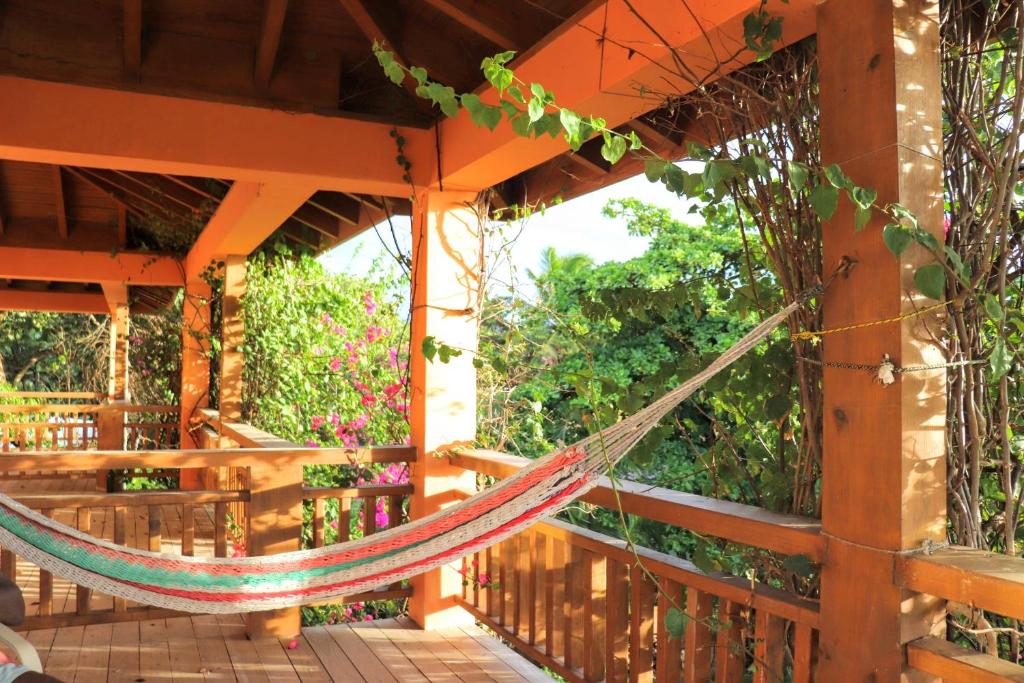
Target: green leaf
(613, 148)
(675, 622)
(863, 197)
(471, 103)
(824, 199)
(797, 174)
(992, 307)
(717, 172)
(930, 280)
(535, 110)
(778, 406)
(571, 124)
(799, 565)
(655, 169)
(538, 91)
(419, 73)
(516, 94)
(635, 142)
(429, 347)
(838, 179)
(1000, 359)
(896, 238)
(394, 72)
(861, 217)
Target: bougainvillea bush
(326, 364)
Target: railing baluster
(804, 651)
(394, 511)
(83, 595)
(616, 620)
(369, 515)
(120, 528)
(319, 512)
(555, 616)
(344, 519)
(474, 576)
(535, 593)
(504, 574)
(641, 626)
(488, 569)
(45, 583)
(594, 623)
(573, 610)
(188, 529)
(220, 529)
(523, 598)
(697, 663)
(153, 529)
(730, 653)
(670, 664)
(769, 647)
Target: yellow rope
(814, 336)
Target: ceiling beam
(52, 302)
(619, 70)
(69, 265)
(475, 20)
(248, 214)
(115, 294)
(132, 37)
(371, 27)
(269, 41)
(61, 206)
(73, 125)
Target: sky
(574, 227)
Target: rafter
(72, 265)
(72, 125)
(249, 213)
(370, 27)
(122, 224)
(132, 37)
(270, 38)
(52, 302)
(117, 197)
(608, 78)
(61, 206)
(478, 21)
(342, 206)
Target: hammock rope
(232, 585)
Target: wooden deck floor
(214, 648)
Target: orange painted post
(195, 370)
(447, 257)
(884, 488)
(232, 362)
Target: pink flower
(393, 357)
(317, 422)
(326, 319)
(369, 400)
(335, 364)
(373, 333)
(946, 225)
(368, 301)
(357, 605)
(293, 645)
(368, 617)
(338, 329)
(334, 524)
(334, 419)
(312, 444)
(392, 389)
(483, 580)
(238, 550)
(348, 612)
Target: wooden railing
(48, 427)
(202, 523)
(590, 608)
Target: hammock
(231, 585)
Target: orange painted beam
(249, 213)
(53, 302)
(613, 55)
(74, 125)
(67, 265)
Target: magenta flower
(335, 364)
(368, 301)
(369, 400)
(312, 444)
(317, 422)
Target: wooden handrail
(61, 408)
(955, 664)
(43, 501)
(744, 524)
(979, 578)
(203, 457)
(366, 491)
(73, 395)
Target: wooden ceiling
(292, 55)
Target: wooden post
(195, 371)
(117, 374)
(446, 274)
(110, 419)
(232, 337)
(884, 488)
(275, 526)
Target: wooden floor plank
(429, 665)
(276, 663)
(244, 658)
(154, 651)
(125, 663)
(362, 657)
(386, 651)
(489, 662)
(94, 659)
(213, 652)
(305, 662)
(335, 661)
(186, 663)
(64, 652)
(513, 659)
